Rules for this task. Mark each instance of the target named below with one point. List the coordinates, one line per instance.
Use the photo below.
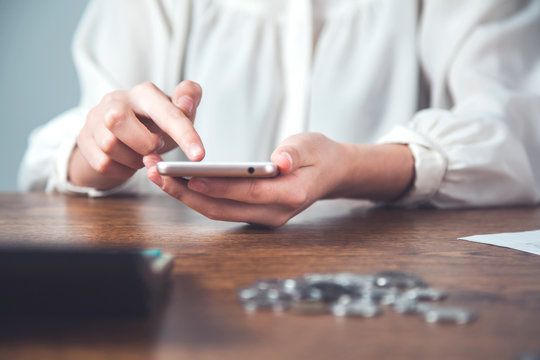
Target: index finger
(279, 190)
(148, 100)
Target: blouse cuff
(430, 165)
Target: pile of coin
(350, 294)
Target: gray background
(37, 76)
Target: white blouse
(458, 81)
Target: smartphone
(217, 169)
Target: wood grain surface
(202, 318)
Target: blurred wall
(37, 76)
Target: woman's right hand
(127, 125)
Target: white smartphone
(217, 169)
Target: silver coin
(252, 306)
(398, 279)
(357, 307)
(247, 293)
(384, 296)
(440, 314)
(423, 294)
(405, 306)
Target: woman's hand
(311, 166)
(127, 125)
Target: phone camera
(251, 169)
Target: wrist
(80, 173)
(382, 172)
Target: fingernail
(195, 151)
(198, 185)
(148, 162)
(161, 144)
(185, 103)
(289, 157)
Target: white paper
(528, 241)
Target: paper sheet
(528, 241)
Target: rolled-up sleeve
(478, 143)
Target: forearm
(375, 172)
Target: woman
(411, 102)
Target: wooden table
(204, 320)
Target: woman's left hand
(309, 166)
(312, 167)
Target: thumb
(295, 152)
